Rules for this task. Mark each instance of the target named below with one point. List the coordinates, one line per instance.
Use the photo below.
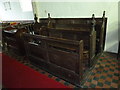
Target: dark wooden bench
(62, 57)
(66, 29)
(100, 27)
(78, 28)
(87, 34)
(60, 44)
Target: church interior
(59, 44)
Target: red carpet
(17, 75)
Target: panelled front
(59, 56)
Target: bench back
(75, 23)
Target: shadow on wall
(111, 42)
(113, 46)
(119, 20)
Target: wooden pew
(75, 32)
(100, 27)
(62, 57)
(78, 25)
(61, 44)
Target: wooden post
(92, 41)
(102, 32)
(80, 67)
(49, 21)
(103, 14)
(93, 22)
(35, 18)
(118, 54)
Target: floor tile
(100, 84)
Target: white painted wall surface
(85, 9)
(119, 21)
(16, 12)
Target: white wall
(119, 20)
(85, 9)
(16, 12)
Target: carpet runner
(17, 75)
